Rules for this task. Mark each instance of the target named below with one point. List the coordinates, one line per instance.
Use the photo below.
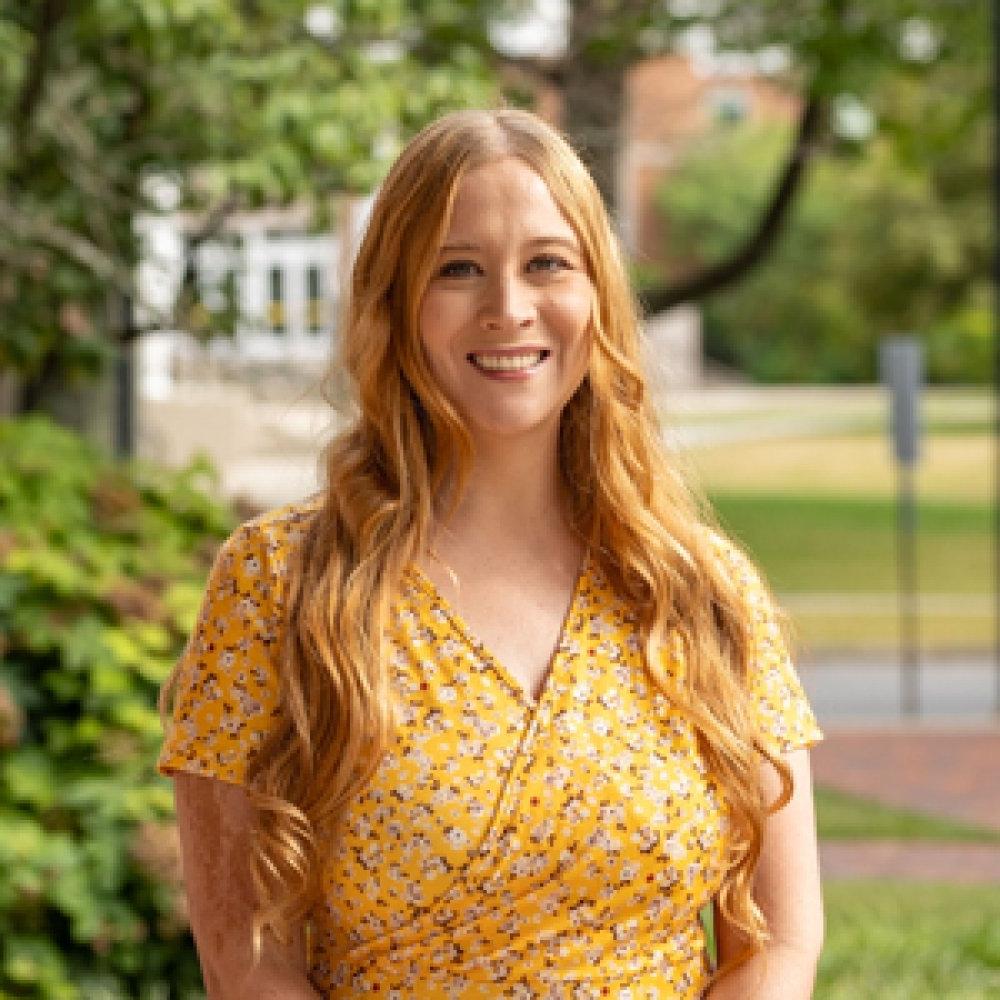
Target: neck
(514, 492)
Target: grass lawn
(819, 515)
(844, 544)
(955, 466)
(817, 509)
(832, 562)
(896, 941)
(841, 816)
(907, 941)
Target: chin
(511, 430)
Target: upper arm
(214, 819)
(787, 880)
(227, 702)
(787, 883)
(226, 690)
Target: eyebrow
(534, 241)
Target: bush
(101, 571)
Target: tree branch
(725, 272)
(32, 227)
(52, 12)
(539, 71)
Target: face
(505, 320)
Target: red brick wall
(669, 106)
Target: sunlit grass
(817, 509)
(843, 549)
(955, 466)
(898, 941)
(841, 816)
(827, 544)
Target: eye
(458, 269)
(548, 262)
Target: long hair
(384, 472)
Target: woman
(496, 714)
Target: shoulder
(784, 718)
(280, 530)
(263, 545)
(751, 589)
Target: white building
(280, 283)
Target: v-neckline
(471, 639)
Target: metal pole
(906, 562)
(902, 366)
(125, 401)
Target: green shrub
(101, 571)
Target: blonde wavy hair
(384, 473)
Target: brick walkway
(952, 773)
(909, 860)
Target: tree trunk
(765, 232)
(593, 89)
(101, 407)
(593, 95)
(84, 404)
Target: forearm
(779, 972)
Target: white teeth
(496, 362)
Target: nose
(507, 304)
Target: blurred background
(182, 186)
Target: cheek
(440, 316)
(576, 310)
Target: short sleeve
(785, 719)
(226, 697)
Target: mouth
(507, 361)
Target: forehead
(506, 198)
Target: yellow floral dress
(558, 848)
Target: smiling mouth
(507, 362)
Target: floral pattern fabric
(506, 847)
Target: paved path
(864, 690)
(911, 861)
(953, 773)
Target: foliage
(101, 571)
(105, 105)
(891, 231)
(873, 247)
(896, 941)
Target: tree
(890, 232)
(835, 47)
(240, 103)
(244, 103)
(871, 246)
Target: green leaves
(875, 244)
(101, 571)
(238, 101)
